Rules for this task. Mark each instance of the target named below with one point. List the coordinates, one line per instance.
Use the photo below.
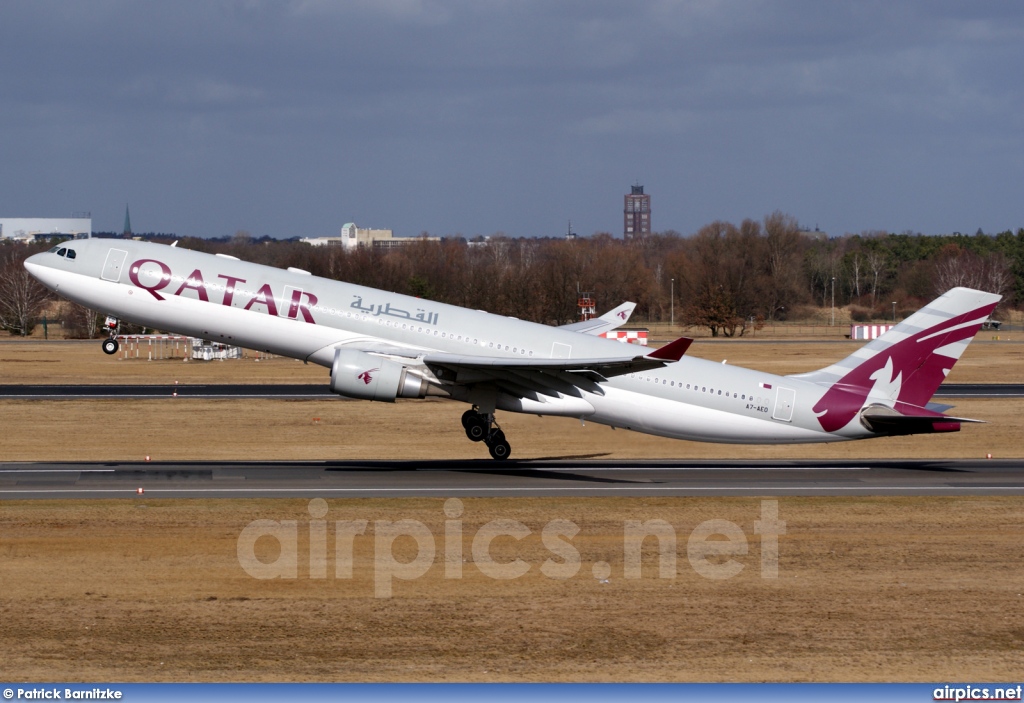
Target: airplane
(382, 346)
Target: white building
(28, 228)
(352, 237)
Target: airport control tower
(637, 213)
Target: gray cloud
(476, 117)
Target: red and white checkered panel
(628, 336)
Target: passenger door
(113, 265)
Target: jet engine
(356, 374)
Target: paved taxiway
(321, 391)
(578, 476)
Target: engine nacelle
(356, 374)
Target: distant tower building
(637, 213)
(127, 224)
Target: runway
(309, 391)
(578, 476)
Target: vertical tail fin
(903, 368)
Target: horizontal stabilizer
(613, 319)
(887, 421)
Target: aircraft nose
(39, 270)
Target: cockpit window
(62, 252)
(54, 250)
(71, 253)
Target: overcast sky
(476, 117)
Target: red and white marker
(140, 490)
(147, 457)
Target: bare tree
(21, 296)
(720, 280)
(877, 261)
(80, 322)
(958, 267)
(782, 262)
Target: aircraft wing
(610, 320)
(529, 378)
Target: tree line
(726, 277)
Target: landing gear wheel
(110, 346)
(500, 450)
(468, 417)
(496, 444)
(476, 427)
(480, 427)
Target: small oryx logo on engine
(365, 376)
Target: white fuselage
(292, 313)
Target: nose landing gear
(112, 325)
(481, 427)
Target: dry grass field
(868, 588)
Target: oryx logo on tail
(903, 368)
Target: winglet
(613, 319)
(620, 315)
(673, 351)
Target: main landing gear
(480, 427)
(111, 325)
